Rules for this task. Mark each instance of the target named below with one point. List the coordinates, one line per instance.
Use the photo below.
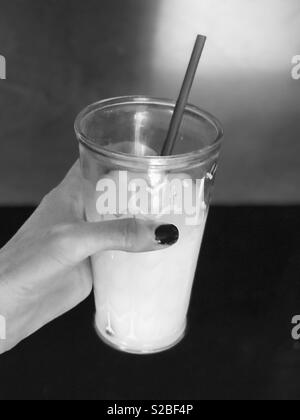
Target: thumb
(131, 235)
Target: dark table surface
(239, 343)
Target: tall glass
(142, 300)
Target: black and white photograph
(150, 203)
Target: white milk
(142, 299)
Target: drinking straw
(183, 97)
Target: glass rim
(196, 156)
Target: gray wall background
(63, 54)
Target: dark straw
(183, 97)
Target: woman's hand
(45, 270)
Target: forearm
(26, 288)
(29, 301)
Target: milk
(142, 299)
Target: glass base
(125, 349)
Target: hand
(45, 270)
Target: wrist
(14, 320)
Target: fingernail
(167, 234)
